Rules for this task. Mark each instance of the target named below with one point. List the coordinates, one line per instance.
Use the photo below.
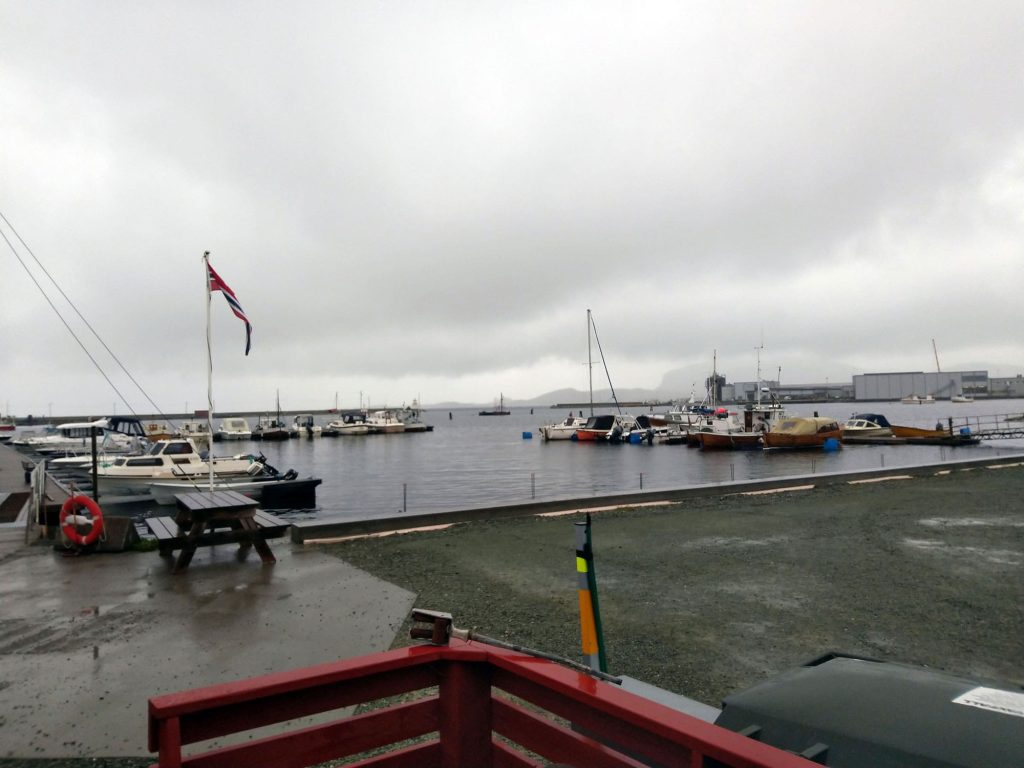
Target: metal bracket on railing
(438, 627)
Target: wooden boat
(919, 432)
(729, 440)
(803, 432)
(499, 408)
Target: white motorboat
(412, 417)
(175, 459)
(916, 399)
(867, 425)
(563, 430)
(961, 399)
(115, 435)
(384, 422)
(197, 431)
(304, 425)
(234, 429)
(348, 425)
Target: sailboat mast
(209, 369)
(590, 365)
(759, 373)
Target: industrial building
(938, 384)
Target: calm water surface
(472, 461)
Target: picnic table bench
(220, 517)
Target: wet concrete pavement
(85, 641)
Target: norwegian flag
(216, 284)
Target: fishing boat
(758, 417)
(499, 408)
(271, 427)
(711, 440)
(803, 432)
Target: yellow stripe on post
(588, 631)
(581, 565)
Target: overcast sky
(422, 199)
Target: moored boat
(712, 440)
(349, 424)
(916, 399)
(272, 489)
(384, 422)
(412, 417)
(867, 425)
(304, 425)
(234, 428)
(563, 430)
(176, 459)
(270, 428)
(803, 432)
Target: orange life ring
(70, 520)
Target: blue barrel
(635, 438)
(831, 444)
(527, 435)
(965, 430)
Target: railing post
(465, 718)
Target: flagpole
(209, 368)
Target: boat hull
(785, 440)
(272, 493)
(729, 441)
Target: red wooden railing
(542, 712)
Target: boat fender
(71, 523)
(291, 474)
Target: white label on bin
(994, 700)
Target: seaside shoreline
(715, 594)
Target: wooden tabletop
(216, 501)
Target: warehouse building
(938, 384)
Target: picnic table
(206, 518)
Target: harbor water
(470, 460)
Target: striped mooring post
(591, 636)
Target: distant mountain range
(562, 396)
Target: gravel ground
(715, 595)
